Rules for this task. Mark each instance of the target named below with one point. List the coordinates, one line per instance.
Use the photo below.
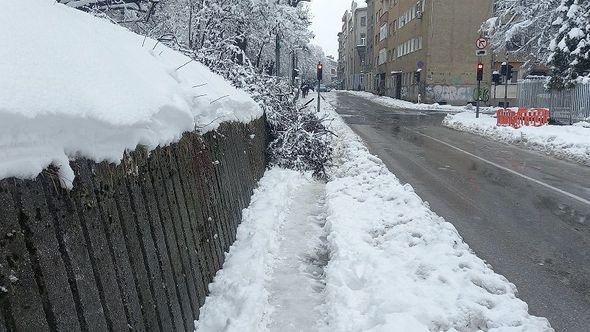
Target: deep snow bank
(74, 85)
(397, 266)
(570, 142)
(406, 105)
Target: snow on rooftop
(73, 85)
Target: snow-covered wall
(73, 85)
(132, 246)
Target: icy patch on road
(567, 142)
(397, 266)
(272, 277)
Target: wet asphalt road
(534, 229)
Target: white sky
(327, 22)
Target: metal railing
(567, 106)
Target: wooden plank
(167, 224)
(170, 261)
(205, 164)
(175, 239)
(151, 257)
(129, 224)
(22, 307)
(203, 234)
(37, 224)
(77, 258)
(182, 181)
(103, 183)
(102, 261)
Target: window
(363, 21)
(383, 32)
(382, 56)
(514, 77)
(363, 41)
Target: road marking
(543, 184)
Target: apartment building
(433, 37)
(352, 56)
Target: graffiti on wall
(449, 93)
(404, 92)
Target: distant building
(382, 48)
(370, 54)
(353, 49)
(331, 71)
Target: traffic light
(320, 71)
(496, 78)
(480, 71)
(509, 73)
(504, 68)
(417, 76)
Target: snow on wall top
(72, 85)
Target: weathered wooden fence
(567, 106)
(131, 247)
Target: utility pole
(320, 75)
(278, 54)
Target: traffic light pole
(478, 99)
(479, 79)
(506, 83)
(319, 96)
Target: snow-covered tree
(523, 28)
(238, 39)
(570, 48)
(120, 11)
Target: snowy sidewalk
(272, 277)
(566, 142)
(360, 253)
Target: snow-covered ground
(402, 104)
(382, 261)
(73, 85)
(569, 142)
(270, 279)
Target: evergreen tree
(570, 48)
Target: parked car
(324, 88)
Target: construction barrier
(536, 117)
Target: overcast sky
(327, 22)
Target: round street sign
(481, 43)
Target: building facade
(424, 49)
(352, 56)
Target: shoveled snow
(390, 264)
(267, 281)
(397, 266)
(570, 142)
(73, 85)
(402, 104)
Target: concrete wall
(131, 247)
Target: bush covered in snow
(236, 39)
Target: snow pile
(570, 142)
(397, 266)
(402, 104)
(77, 86)
(239, 298)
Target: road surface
(526, 214)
